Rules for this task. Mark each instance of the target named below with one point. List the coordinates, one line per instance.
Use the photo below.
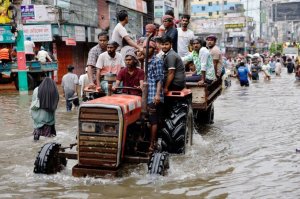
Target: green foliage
(276, 48)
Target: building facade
(280, 21)
(68, 29)
(213, 8)
(227, 21)
(179, 7)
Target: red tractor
(112, 131)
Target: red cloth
(167, 17)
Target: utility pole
(21, 61)
(223, 27)
(246, 29)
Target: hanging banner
(38, 33)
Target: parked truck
(35, 72)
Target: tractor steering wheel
(129, 90)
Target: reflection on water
(249, 152)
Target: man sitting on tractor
(108, 62)
(174, 70)
(131, 76)
(155, 95)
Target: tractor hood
(126, 102)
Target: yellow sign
(4, 13)
(239, 25)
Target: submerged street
(249, 151)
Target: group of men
(10, 55)
(166, 69)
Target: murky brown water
(249, 152)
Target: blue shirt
(243, 73)
(155, 74)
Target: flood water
(249, 152)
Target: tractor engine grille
(98, 137)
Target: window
(217, 12)
(209, 3)
(210, 14)
(203, 8)
(217, 2)
(225, 2)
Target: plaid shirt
(93, 55)
(155, 74)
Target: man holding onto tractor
(174, 70)
(155, 95)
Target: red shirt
(132, 80)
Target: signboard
(206, 26)
(137, 5)
(70, 42)
(5, 35)
(237, 34)
(27, 12)
(35, 13)
(38, 33)
(79, 33)
(68, 31)
(286, 11)
(240, 25)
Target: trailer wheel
(158, 164)
(173, 133)
(30, 82)
(48, 160)
(206, 117)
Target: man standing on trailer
(174, 70)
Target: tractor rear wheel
(174, 129)
(158, 164)
(48, 160)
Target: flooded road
(249, 152)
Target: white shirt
(184, 38)
(83, 82)
(118, 34)
(206, 63)
(278, 67)
(29, 45)
(42, 56)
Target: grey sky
(253, 11)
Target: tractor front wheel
(158, 164)
(48, 160)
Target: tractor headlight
(110, 128)
(88, 127)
